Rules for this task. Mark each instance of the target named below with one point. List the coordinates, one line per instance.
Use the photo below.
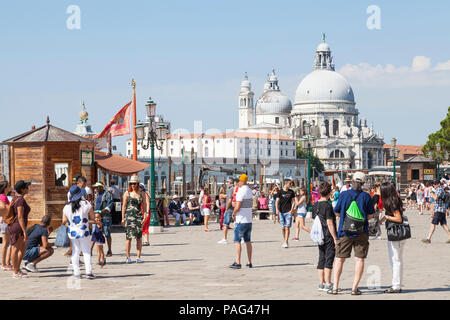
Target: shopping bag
(316, 233)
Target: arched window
(206, 152)
(242, 102)
(337, 154)
(303, 127)
(327, 128)
(335, 127)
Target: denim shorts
(227, 217)
(285, 219)
(31, 254)
(301, 214)
(242, 230)
(107, 222)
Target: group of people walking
(338, 240)
(334, 209)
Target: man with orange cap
(242, 216)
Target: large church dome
(323, 85)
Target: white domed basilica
(325, 99)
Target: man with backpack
(439, 211)
(354, 209)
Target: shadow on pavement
(180, 260)
(264, 241)
(283, 265)
(168, 244)
(125, 276)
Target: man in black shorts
(439, 211)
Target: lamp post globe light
(307, 143)
(152, 134)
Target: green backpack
(354, 220)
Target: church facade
(325, 99)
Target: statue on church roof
(83, 114)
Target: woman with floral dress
(133, 201)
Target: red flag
(119, 125)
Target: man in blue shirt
(439, 211)
(347, 242)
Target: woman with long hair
(275, 216)
(4, 206)
(206, 204)
(17, 229)
(393, 206)
(77, 214)
(300, 203)
(133, 201)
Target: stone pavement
(187, 263)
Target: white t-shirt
(344, 188)
(244, 195)
(79, 220)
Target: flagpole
(133, 84)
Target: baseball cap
(21, 184)
(359, 176)
(243, 178)
(191, 197)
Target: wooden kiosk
(49, 157)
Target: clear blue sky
(190, 56)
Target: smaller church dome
(323, 47)
(273, 102)
(245, 84)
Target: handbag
(10, 217)
(398, 231)
(62, 238)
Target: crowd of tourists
(344, 220)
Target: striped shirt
(244, 195)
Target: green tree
(442, 137)
(315, 161)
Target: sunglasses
(133, 184)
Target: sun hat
(98, 184)
(359, 176)
(175, 196)
(243, 178)
(76, 193)
(134, 179)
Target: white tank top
(302, 208)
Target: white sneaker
(138, 260)
(128, 260)
(285, 245)
(223, 241)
